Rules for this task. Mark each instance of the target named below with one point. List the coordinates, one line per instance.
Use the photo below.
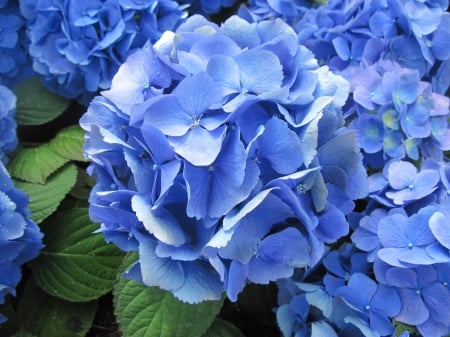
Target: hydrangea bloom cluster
(20, 237)
(396, 266)
(8, 137)
(77, 46)
(14, 60)
(221, 156)
(396, 115)
(342, 33)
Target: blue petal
(169, 116)
(199, 146)
(158, 221)
(322, 328)
(281, 146)
(213, 191)
(437, 297)
(253, 226)
(386, 299)
(237, 276)
(216, 44)
(141, 170)
(233, 218)
(132, 81)
(241, 32)
(162, 272)
(339, 158)
(332, 224)
(225, 71)
(362, 326)
(201, 283)
(342, 48)
(286, 319)
(197, 94)
(401, 174)
(440, 226)
(260, 71)
(413, 311)
(278, 255)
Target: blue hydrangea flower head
(77, 47)
(221, 156)
(396, 114)
(8, 137)
(20, 237)
(15, 63)
(343, 34)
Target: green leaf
(68, 143)
(44, 199)
(46, 316)
(143, 311)
(35, 104)
(221, 328)
(36, 164)
(402, 327)
(75, 265)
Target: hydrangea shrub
(298, 150)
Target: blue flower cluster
(15, 64)
(8, 137)
(20, 237)
(221, 156)
(341, 33)
(396, 115)
(395, 265)
(77, 46)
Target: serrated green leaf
(46, 316)
(68, 143)
(35, 104)
(36, 164)
(75, 265)
(44, 199)
(143, 311)
(221, 328)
